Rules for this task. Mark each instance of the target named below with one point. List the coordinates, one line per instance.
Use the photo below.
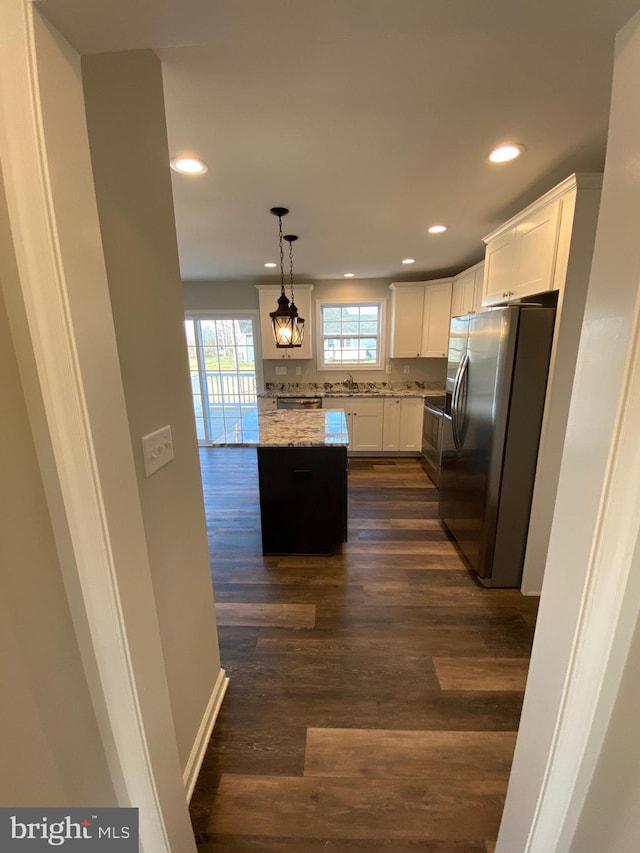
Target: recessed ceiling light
(505, 153)
(437, 229)
(349, 274)
(409, 261)
(189, 166)
(270, 264)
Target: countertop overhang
(289, 428)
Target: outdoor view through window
(223, 374)
(351, 334)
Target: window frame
(379, 366)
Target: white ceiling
(369, 119)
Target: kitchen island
(302, 474)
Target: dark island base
(303, 499)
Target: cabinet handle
(504, 293)
(417, 355)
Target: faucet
(349, 381)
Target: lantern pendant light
(285, 316)
(298, 333)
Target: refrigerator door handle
(461, 399)
(454, 401)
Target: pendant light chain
(281, 254)
(291, 267)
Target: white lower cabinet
(364, 420)
(390, 424)
(411, 412)
(402, 428)
(367, 418)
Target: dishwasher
(299, 403)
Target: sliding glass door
(223, 373)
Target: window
(223, 374)
(351, 335)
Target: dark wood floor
(374, 695)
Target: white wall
(62, 328)
(610, 819)
(127, 134)
(51, 751)
(240, 295)
(579, 605)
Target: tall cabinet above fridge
(496, 381)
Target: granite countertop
(358, 389)
(289, 428)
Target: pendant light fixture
(285, 317)
(298, 332)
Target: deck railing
(228, 387)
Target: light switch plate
(157, 450)
(281, 371)
(406, 369)
(387, 369)
(298, 371)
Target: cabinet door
(476, 304)
(411, 412)
(500, 268)
(268, 301)
(537, 242)
(436, 320)
(391, 424)
(366, 431)
(457, 297)
(463, 294)
(406, 321)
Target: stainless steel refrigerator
(496, 383)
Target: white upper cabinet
(501, 262)
(522, 256)
(537, 239)
(420, 313)
(407, 307)
(268, 300)
(436, 320)
(466, 295)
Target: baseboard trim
(196, 757)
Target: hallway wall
(51, 750)
(127, 136)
